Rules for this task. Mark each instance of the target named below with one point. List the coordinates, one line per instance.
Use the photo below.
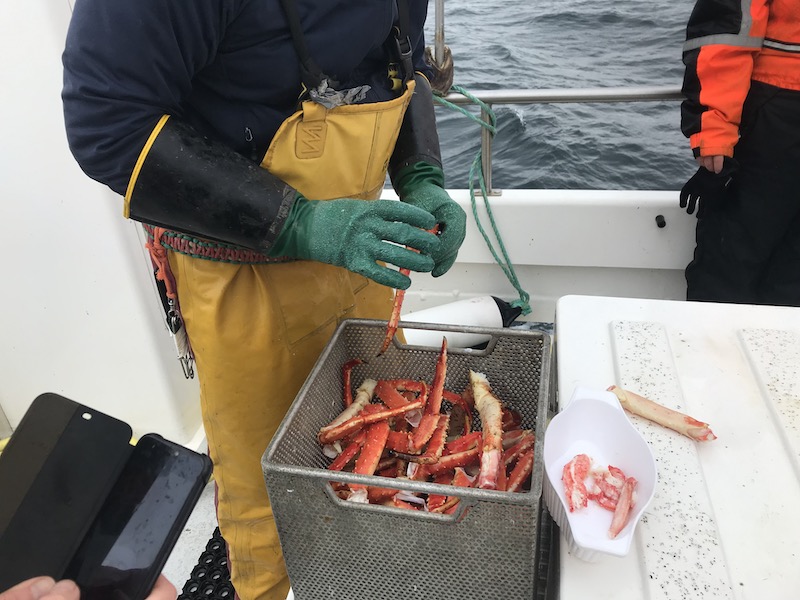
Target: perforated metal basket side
(335, 549)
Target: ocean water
(529, 44)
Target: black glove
(707, 187)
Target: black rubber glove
(706, 187)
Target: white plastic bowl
(594, 423)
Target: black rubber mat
(210, 579)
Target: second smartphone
(129, 542)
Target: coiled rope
(476, 172)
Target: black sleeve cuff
(418, 140)
(187, 182)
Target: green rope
(476, 171)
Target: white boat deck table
(725, 519)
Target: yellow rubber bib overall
(257, 330)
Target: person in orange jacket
(741, 114)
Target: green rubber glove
(422, 185)
(355, 234)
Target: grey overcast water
(501, 44)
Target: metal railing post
(438, 46)
(486, 154)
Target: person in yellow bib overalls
(253, 138)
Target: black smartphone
(55, 474)
(137, 527)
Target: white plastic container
(595, 424)
(482, 311)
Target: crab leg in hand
(394, 320)
(639, 405)
(399, 295)
(491, 412)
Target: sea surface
(530, 44)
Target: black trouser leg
(747, 243)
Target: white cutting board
(725, 521)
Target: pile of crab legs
(407, 433)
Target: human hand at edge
(707, 186)
(162, 590)
(711, 163)
(43, 588)
(46, 588)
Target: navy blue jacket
(228, 67)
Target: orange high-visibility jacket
(728, 44)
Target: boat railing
(553, 96)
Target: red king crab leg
(347, 368)
(436, 446)
(436, 502)
(639, 405)
(423, 432)
(575, 471)
(434, 405)
(624, 506)
(511, 419)
(349, 453)
(389, 390)
(608, 485)
(465, 442)
(521, 472)
(526, 442)
(491, 412)
(502, 478)
(458, 459)
(461, 479)
(370, 456)
(430, 420)
(461, 407)
(394, 320)
(330, 434)
(363, 396)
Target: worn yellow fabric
(257, 330)
(347, 149)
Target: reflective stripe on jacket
(728, 44)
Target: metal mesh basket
(338, 550)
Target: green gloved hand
(422, 185)
(355, 234)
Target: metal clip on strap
(404, 47)
(404, 51)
